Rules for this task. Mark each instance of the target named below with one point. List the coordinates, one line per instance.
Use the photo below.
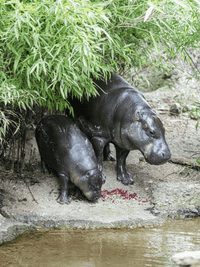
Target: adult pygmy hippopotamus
(66, 150)
(121, 115)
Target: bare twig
(18, 150)
(170, 174)
(185, 162)
(192, 60)
(31, 154)
(22, 176)
(13, 154)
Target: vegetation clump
(50, 49)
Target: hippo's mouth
(94, 200)
(95, 196)
(156, 161)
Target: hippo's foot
(63, 199)
(109, 157)
(125, 177)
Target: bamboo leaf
(180, 3)
(33, 67)
(17, 58)
(84, 61)
(27, 75)
(16, 32)
(27, 40)
(61, 90)
(148, 12)
(154, 42)
(11, 48)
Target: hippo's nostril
(95, 199)
(163, 154)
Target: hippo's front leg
(122, 174)
(63, 181)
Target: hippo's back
(63, 146)
(116, 97)
(114, 83)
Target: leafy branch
(50, 49)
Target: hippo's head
(89, 183)
(145, 132)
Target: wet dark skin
(66, 150)
(121, 115)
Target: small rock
(175, 109)
(22, 199)
(187, 258)
(164, 213)
(193, 209)
(156, 212)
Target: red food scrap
(121, 193)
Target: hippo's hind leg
(44, 168)
(122, 174)
(98, 145)
(107, 156)
(63, 181)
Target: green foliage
(193, 110)
(7, 122)
(186, 170)
(49, 49)
(195, 113)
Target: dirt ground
(171, 190)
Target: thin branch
(191, 60)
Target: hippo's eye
(152, 132)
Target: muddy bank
(171, 190)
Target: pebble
(156, 212)
(193, 209)
(187, 258)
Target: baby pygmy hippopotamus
(66, 150)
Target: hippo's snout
(157, 153)
(95, 196)
(164, 156)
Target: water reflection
(100, 248)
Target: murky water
(100, 248)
